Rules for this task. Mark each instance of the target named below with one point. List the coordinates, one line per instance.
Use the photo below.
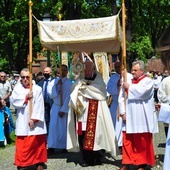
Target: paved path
(70, 161)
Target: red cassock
(30, 150)
(138, 149)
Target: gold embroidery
(91, 125)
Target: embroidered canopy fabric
(94, 35)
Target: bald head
(47, 72)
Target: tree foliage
(141, 48)
(150, 18)
(146, 21)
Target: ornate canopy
(94, 35)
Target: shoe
(64, 151)
(124, 167)
(40, 167)
(84, 164)
(31, 167)
(50, 151)
(98, 162)
(141, 167)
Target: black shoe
(143, 166)
(84, 164)
(124, 167)
(64, 151)
(31, 167)
(41, 166)
(98, 162)
(91, 162)
(50, 151)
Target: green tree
(148, 20)
(145, 19)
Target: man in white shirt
(47, 101)
(5, 88)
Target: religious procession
(90, 106)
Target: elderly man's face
(89, 69)
(25, 77)
(136, 71)
(2, 77)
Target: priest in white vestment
(59, 91)
(90, 126)
(30, 129)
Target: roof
(155, 65)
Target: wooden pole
(30, 4)
(124, 41)
(60, 55)
(61, 87)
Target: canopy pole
(60, 56)
(124, 41)
(61, 87)
(30, 4)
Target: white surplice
(140, 110)
(17, 99)
(164, 116)
(58, 125)
(104, 133)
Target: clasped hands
(61, 114)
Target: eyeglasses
(3, 76)
(23, 77)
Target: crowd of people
(54, 113)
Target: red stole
(91, 125)
(26, 98)
(136, 81)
